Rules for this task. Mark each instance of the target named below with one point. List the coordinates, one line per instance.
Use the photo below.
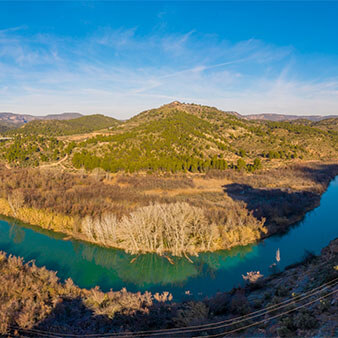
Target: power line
(273, 317)
(249, 317)
(237, 319)
(190, 329)
(187, 328)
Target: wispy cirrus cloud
(120, 72)
(12, 29)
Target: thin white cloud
(120, 73)
(12, 29)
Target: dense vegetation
(33, 150)
(176, 228)
(163, 144)
(173, 138)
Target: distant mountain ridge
(285, 117)
(8, 118)
(61, 116)
(19, 119)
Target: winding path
(55, 163)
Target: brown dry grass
(280, 195)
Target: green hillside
(182, 137)
(175, 137)
(329, 124)
(84, 124)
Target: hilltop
(189, 108)
(195, 138)
(174, 137)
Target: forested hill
(84, 124)
(194, 138)
(175, 137)
(193, 109)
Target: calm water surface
(89, 265)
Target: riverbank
(33, 302)
(139, 214)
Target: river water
(90, 265)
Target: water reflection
(152, 269)
(17, 234)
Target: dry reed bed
(122, 214)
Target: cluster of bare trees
(176, 228)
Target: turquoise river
(90, 265)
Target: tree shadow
(318, 173)
(284, 207)
(279, 208)
(72, 316)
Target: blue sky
(119, 58)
